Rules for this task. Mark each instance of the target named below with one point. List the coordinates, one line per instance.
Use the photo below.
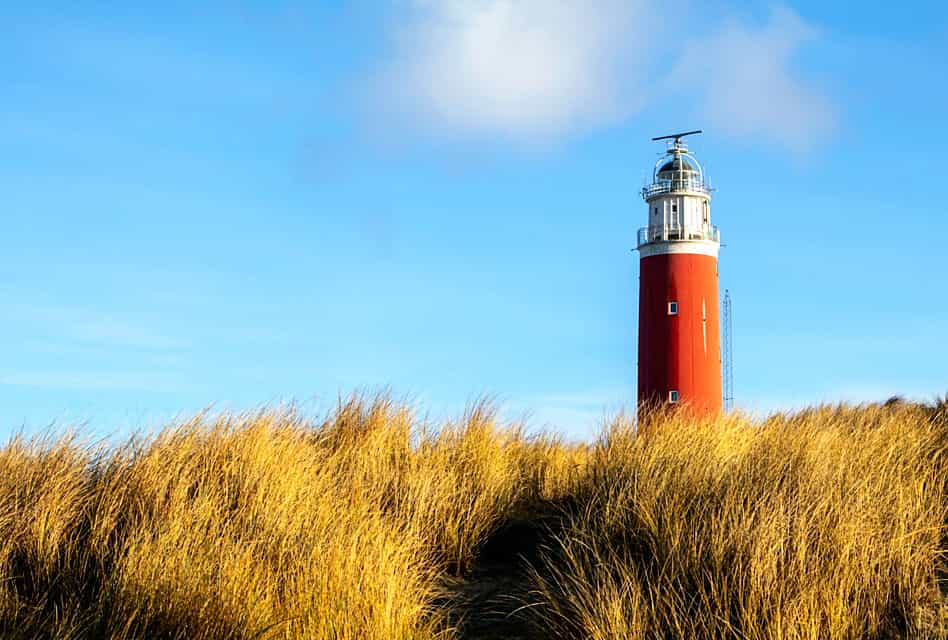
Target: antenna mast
(677, 146)
(728, 355)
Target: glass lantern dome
(677, 172)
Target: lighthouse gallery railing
(661, 187)
(663, 234)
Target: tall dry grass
(826, 524)
(260, 526)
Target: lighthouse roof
(678, 163)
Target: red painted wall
(673, 353)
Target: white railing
(664, 234)
(689, 185)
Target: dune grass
(826, 524)
(829, 523)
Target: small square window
(673, 308)
(673, 395)
(674, 207)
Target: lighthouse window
(673, 395)
(675, 207)
(673, 308)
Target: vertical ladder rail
(728, 355)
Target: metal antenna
(728, 359)
(677, 136)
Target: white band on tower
(698, 247)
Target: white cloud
(749, 85)
(520, 68)
(544, 69)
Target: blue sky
(227, 207)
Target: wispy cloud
(858, 392)
(580, 414)
(748, 84)
(85, 326)
(531, 70)
(121, 333)
(90, 381)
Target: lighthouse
(679, 344)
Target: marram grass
(829, 523)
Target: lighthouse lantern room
(679, 344)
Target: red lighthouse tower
(679, 344)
